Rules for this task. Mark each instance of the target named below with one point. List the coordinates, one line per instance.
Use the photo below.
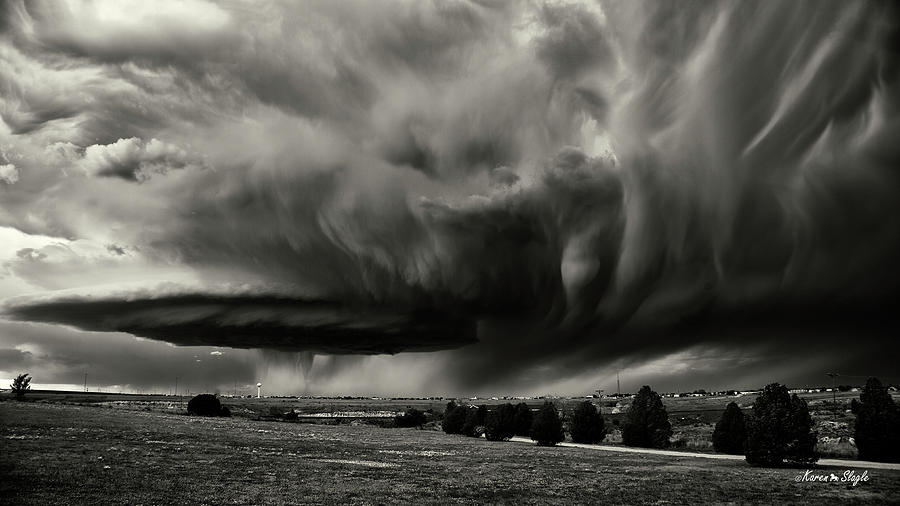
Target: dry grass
(68, 454)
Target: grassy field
(52, 453)
(693, 418)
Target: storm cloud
(257, 322)
(550, 187)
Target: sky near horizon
(448, 198)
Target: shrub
(523, 420)
(411, 418)
(780, 430)
(877, 424)
(587, 424)
(471, 427)
(647, 422)
(21, 385)
(730, 435)
(207, 405)
(500, 424)
(547, 428)
(454, 418)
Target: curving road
(846, 464)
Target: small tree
(730, 435)
(780, 430)
(877, 432)
(547, 428)
(587, 424)
(454, 418)
(411, 418)
(647, 421)
(524, 420)
(21, 385)
(500, 424)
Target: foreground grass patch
(70, 454)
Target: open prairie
(53, 453)
(693, 418)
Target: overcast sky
(438, 198)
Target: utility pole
(176, 386)
(618, 385)
(833, 375)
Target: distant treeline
(778, 430)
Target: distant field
(61, 454)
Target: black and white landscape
(475, 202)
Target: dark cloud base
(283, 324)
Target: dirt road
(846, 464)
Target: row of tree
(506, 420)
(499, 424)
(779, 428)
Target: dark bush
(547, 428)
(780, 430)
(523, 420)
(447, 409)
(877, 432)
(730, 435)
(206, 405)
(647, 422)
(291, 416)
(471, 427)
(454, 418)
(500, 424)
(482, 414)
(587, 424)
(411, 418)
